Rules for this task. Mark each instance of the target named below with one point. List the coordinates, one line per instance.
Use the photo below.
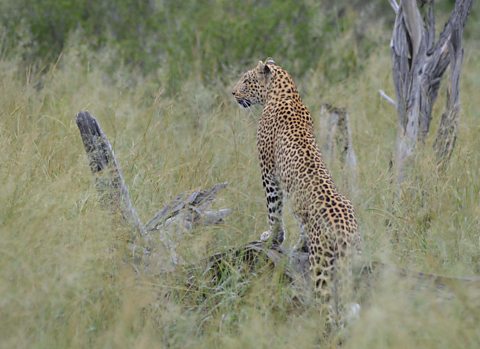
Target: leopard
(292, 167)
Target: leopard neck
(281, 88)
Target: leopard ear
(263, 69)
(267, 69)
(260, 66)
(270, 61)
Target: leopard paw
(265, 235)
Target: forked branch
(184, 213)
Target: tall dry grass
(65, 278)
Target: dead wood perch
(183, 213)
(187, 210)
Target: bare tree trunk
(418, 66)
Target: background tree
(418, 66)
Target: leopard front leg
(274, 195)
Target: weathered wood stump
(338, 145)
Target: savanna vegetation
(157, 75)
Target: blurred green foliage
(200, 39)
(190, 38)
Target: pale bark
(108, 175)
(338, 144)
(418, 66)
(447, 131)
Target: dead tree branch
(387, 98)
(108, 176)
(183, 213)
(394, 5)
(189, 210)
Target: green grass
(65, 280)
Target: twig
(387, 98)
(394, 5)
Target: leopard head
(252, 87)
